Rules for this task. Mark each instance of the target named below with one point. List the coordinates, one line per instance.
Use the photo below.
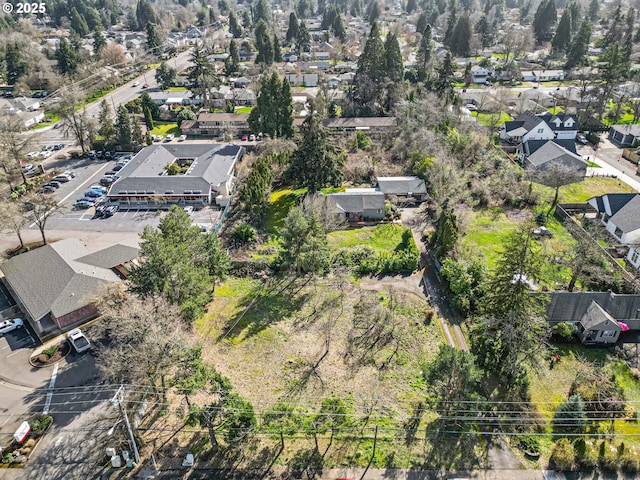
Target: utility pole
(117, 399)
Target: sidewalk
(607, 170)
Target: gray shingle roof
(401, 185)
(530, 146)
(111, 256)
(357, 202)
(549, 118)
(627, 218)
(551, 151)
(616, 202)
(53, 279)
(596, 316)
(212, 166)
(633, 129)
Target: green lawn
(54, 120)
(164, 128)
(487, 231)
(176, 89)
(591, 187)
(280, 203)
(489, 119)
(385, 236)
(244, 109)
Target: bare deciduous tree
(76, 122)
(42, 209)
(15, 144)
(12, 219)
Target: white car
(78, 340)
(188, 209)
(182, 138)
(471, 107)
(252, 138)
(11, 325)
(135, 84)
(170, 137)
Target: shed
(598, 327)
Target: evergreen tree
(136, 131)
(15, 65)
(393, 58)
(372, 60)
(247, 23)
(422, 23)
(579, 47)
(294, 235)
(154, 43)
(145, 14)
(451, 22)
(234, 26)
(575, 14)
(277, 51)
(261, 12)
(425, 52)
(106, 128)
(264, 45)
(317, 163)
(147, 102)
(545, 20)
(99, 42)
(461, 37)
(256, 190)
(570, 417)
(123, 126)
(292, 31)
(484, 30)
(614, 66)
(165, 75)
(201, 74)
(614, 32)
(446, 235)
(338, 28)
(315, 255)
(67, 58)
(562, 38)
(232, 62)
(285, 110)
(148, 119)
(444, 81)
(303, 40)
(411, 6)
(264, 117)
(78, 23)
(303, 8)
(373, 13)
(594, 10)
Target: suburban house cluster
(56, 286)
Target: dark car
(108, 155)
(118, 168)
(58, 146)
(92, 194)
(100, 209)
(110, 210)
(47, 189)
(110, 173)
(53, 183)
(82, 203)
(106, 181)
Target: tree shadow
(450, 450)
(265, 307)
(305, 464)
(412, 424)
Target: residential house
(234, 124)
(290, 57)
(480, 75)
(345, 67)
(245, 56)
(24, 104)
(408, 187)
(173, 98)
(620, 214)
(347, 77)
(527, 126)
(625, 135)
(56, 285)
(541, 155)
(324, 47)
(572, 307)
(357, 204)
(218, 57)
(192, 32)
(314, 66)
(564, 125)
(209, 176)
(322, 56)
(598, 327)
(241, 82)
(244, 98)
(372, 125)
(333, 82)
(542, 75)
(303, 79)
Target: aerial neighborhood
(320, 240)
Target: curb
(35, 353)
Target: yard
(280, 203)
(491, 119)
(300, 341)
(165, 128)
(385, 236)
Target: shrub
(51, 351)
(541, 219)
(40, 422)
(244, 234)
(565, 330)
(528, 443)
(562, 455)
(607, 456)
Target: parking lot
(18, 344)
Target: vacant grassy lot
(280, 203)
(490, 119)
(384, 236)
(301, 341)
(165, 128)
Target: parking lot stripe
(47, 402)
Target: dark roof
(401, 185)
(530, 146)
(357, 202)
(212, 166)
(111, 257)
(529, 120)
(551, 151)
(616, 202)
(596, 316)
(627, 218)
(53, 278)
(563, 117)
(571, 306)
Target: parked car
(117, 168)
(11, 325)
(82, 203)
(106, 181)
(252, 138)
(98, 188)
(245, 138)
(92, 154)
(110, 210)
(188, 209)
(56, 126)
(110, 173)
(108, 155)
(158, 138)
(27, 167)
(146, 85)
(53, 183)
(471, 107)
(78, 340)
(182, 138)
(92, 194)
(170, 137)
(58, 146)
(135, 84)
(69, 173)
(582, 139)
(47, 189)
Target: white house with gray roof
(620, 214)
(56, 285)
(357, 204)
(413, 187)
(204, 173)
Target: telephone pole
(118, 399)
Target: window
(608, 333)
(635, 254)
(540, 130)
(618, 232)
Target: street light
(117, 399)
(112, 429)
